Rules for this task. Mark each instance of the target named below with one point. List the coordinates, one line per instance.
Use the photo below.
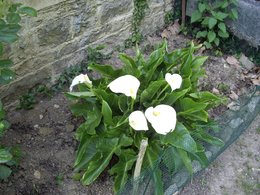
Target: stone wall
(59, 36)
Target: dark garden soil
(45, 136)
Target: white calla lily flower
(174, 80)
(138, 121)
(82, 78)
(127, 85)
(162, 118)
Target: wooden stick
(139, 162)
(183, 12)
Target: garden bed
(45, 134)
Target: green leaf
(28, 11)
(86, 151)
(234, 14)
(187, 105)
(125, 163)
(13, 18)
(130, 66)
(219, 15)
(196, 16)
(1, 49)
(180, 138)
(211, 36)
(151, 90)
(202, 7)
(201, 115)
(201, 34)
(186, 160)
(212, 22)
(171, 98)
(207, 44)
(5, 63)
(8, 38)
(216, 41)
(84, 94)
(5, 172)
(222, 27)
(205, 21)
(171, 159)
(100, 161)
(125, 141)
(208, 138)
(107, 113)
(222, 34)
(6, 75)
(5, 156)
(105, 70)
(207, 97)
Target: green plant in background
(155, 101)
(211, 18)
(139, 13)
(10, 17)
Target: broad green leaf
(185, 69)
(130, 66)
(198, 61)
(207, 44)
(86, 151)
(196, 16)
(111, 98)
(13, 18)
(105, 70)
(201, 34)
(172, 160)
(28, 11)
(151, 90)
(180, 138)
(187, 105)
(6, 75)
(107, 113)
(5, 156)
(222, 34)
(100, 161)
(5, 172)
(205, 21)
(186, 159)
(211, 36)
(202, 7)
(219, 15)
(122, 103)
(5, 63)
(171, 98)
(201, 115)
(151, 160)
(84, 94)
(207, 97)
(81, 109)
(125, 141)
(126, 162)
(208, 138)
(212, 22)
(222, 27)
(1, 49)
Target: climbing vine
(138, 15)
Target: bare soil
(45, 135)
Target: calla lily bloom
(80, 79)
(174, 80)
(162, 118)
(127, 85)
(138, 121)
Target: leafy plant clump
(10, 17)
(210, 19)
(156, 100)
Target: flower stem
(132, 104)
(162, 91)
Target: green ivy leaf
(5, 172)
(211, 36)
(202, 7)
(222, 34)
(27, 11)
(222, 27)
(196, 16)
(201, 34)
(216, 41)
(5, 156)
(13, 18)
(234, 14)
(212, 22)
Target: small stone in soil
(37, 174)
(45, 131)
(56, 106)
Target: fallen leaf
(175, 28)
(233, 95)
(232, 60)
(216, 91)
(166, 34)
(246, 62)
(256, 81)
